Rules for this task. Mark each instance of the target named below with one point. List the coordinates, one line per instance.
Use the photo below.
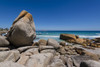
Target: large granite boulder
(68, 37)
(3, 41)
(71, 38)
(22, 31)
(80, 41)
(53, 42)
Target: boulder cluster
(82, 41)
(18, 50)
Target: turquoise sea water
(56, 34)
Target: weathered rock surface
(90, 63)
(12, 55)
(32, 51)
(23, 59)
(48, 51)
(72, 38)
(4, 49)
(84, 52)
(54, 43)
(45, 47)
(67, 36)
(23, 49)
(78, 59)
(63, 43)
(10, 64)
(42, 42)
(39, 60)
(22, 31)
(56, 62)
(3, 41)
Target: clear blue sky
(54, 14)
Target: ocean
(56, 34)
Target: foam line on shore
(83, 36)
(48, 36)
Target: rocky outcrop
(22, 31)
(45, 53)
(71, 38)
(3, 41)
(68, 37)
(47, 56)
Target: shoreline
(18, 47)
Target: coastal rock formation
(45, 53)
(68, 37)
(22, 31)
(3, 41)
(48, 55)
(72, 38)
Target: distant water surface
(56, 34)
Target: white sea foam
(83, 36)
(55, 36)
(48, 36)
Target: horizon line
(67, 30)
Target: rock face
(68, 37)
(90, 63)
(3, 41)
(10, 64)
(39, 60)
(42, 42)
(9, 55)
(54, 43)
(72, 38)
(22, 31)
(56, 62)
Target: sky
(54, 14)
